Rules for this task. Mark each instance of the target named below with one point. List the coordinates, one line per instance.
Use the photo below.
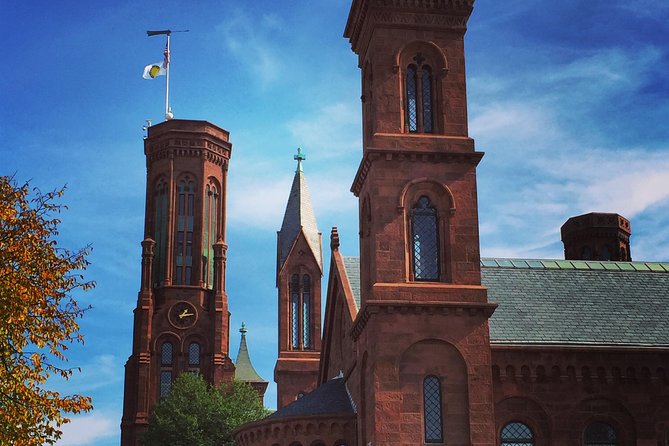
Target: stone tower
(597, 236)
(181, 322)
(298, 279)
(422, 328)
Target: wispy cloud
(89, 429)
(329, 131)
(251, 44)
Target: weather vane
(162, 68)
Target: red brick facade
(181, 320)
(394, 332)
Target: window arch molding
(187, 199)
(440, 199)
(517, 431)
(302, 289)
(211, 228)
(167, 343)
(160, 190)
(416, 60)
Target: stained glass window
(425, 241)
(411, 99)
(516, 434)
(295, 311)
(166, 354)
(432, 410)
(600, 434)
(194, 354)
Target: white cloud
(101, 371)
(251, 46)
(329, 131)
(88, 429)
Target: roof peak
(244, 370)
(299, 216)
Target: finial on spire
(299, 157)
(243, 330)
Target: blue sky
(569, 100)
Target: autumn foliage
(38, 315)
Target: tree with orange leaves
(38, 315)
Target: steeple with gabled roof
(298, 279)
(244, 370)
(299, 217)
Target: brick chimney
(597, 236)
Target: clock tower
(181, 321)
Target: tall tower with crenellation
(181, 322)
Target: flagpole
(168, 56)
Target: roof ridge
(584, 265)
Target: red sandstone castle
(423, 342)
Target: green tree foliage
(197, 414)
(38, 315)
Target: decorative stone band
(457, 309)
(305, 429)
(423, 156)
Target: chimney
(597, 236)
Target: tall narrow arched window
(411, 99)
(600, 434)
(306, 312)
(160, 231)
(295, 311)
(194, 357)
(210, 234)
(300, 312)
(432, 413)
(418, 91)
(183, 266)
(424, 241)
(516, 434)
(166, 361)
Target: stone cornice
(414, 155)
(365, 14)
(194, 145)
(372, 307)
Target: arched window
(432, 416)
(425, 241)
(183, 266)
(600, 434)
(210, 234)
(516, 434)
(300, 312)
(166, 360)
(295, 311)
(194, 356)
(306, 312)
(160, 231)
(418, 86)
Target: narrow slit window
(411, 99)
(165, 382)
(295, 311)
(425, 241)
(183, 265)
(426, 89)
(306, 312)
(432, 413)
(160, 232)
(166, 354)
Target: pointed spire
(244, 370)
(299, 215)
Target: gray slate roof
(299, 215)
(558, 302)
(352, 267)
(330, 398)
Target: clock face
(182, 315)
